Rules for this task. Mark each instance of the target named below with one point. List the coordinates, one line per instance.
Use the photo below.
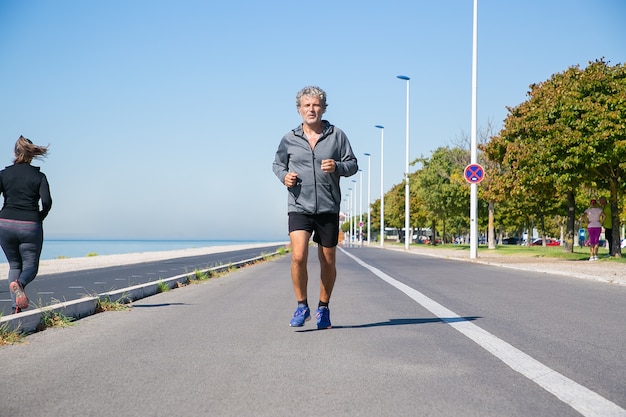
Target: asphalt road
(411, 336)
(52, 288)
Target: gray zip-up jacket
(315, 191)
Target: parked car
(511, 241)
(549, 242)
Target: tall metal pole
(361, 207)
(473, 189)
(355, 208)
(407, 211)
(344, 220)
(352, 210)
(348, 216)
(369, 201)
(382, 185)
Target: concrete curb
(30, 321)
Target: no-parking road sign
(474, 173)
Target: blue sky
(163, 117)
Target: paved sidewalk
(603, 270)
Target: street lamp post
(344, 220)
(473, 156)
(361, 207)
(355, 206)
(382, 186)
(369, 183)
(350, 218)
(407, 237)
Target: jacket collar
(298, 131)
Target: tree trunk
(491, 233)
(443, 233)
(568, 242)
(617, 249)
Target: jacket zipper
(325, 133)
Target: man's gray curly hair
(312, 91)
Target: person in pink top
(593, 217)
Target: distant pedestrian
(607, 223)
(310, 161)
(594, 217)
(23, 187)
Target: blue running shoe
(323, 318)
(301, 315)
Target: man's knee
(299, 262)
(327, 256)
(299, 258)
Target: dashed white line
(580, 398)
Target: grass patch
(199, 276)
(106, 304)
(162, 287)
(220, 270)
(91, 254)
(202, 275)
(54, 319)
(557, 252)
(8, 336)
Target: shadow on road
(402, 322)
(157, 305)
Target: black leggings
(21, 242)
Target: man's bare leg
(299, 256)
(328, 272)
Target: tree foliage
(570, 133)
(565, 144)
(441, 188)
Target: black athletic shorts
(324, 226)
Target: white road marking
(580, 398)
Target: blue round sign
(474, 173)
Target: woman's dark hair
(26, 151)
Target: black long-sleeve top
(22, 186)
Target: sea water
(54, 249)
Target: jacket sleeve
(46, 198)
(281, 161)
(348, 165)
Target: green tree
(394, 206)
(441, 189)
(569, 133)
